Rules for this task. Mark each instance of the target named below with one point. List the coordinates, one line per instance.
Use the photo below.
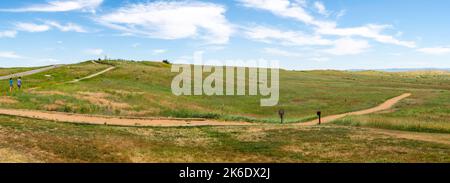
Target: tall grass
(406, 124)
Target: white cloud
(280, 52)
(66, 28)
(320, 8)
(48, 60)
(60, 6)
(95, 51)
(135, 45)
(30, 27)
(341, 13)
(287, 9)
(271, 35)
(8, 34)
(172, 20)
(319, 59)
(348, 46)
(296, 10)
(302, 3)
(9, 55)
(48, 25)
(158, 51)
(435, 50)
(371, 31)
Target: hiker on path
(11, 84)
(19, 83)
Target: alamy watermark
(228, 78)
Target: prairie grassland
(29, 140)
(423, 112)
(143, 89)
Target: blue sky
(301, 34)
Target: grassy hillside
(143, 89)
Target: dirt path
(172, 122)
(93, 75)
(102, 120)
(384, 106)
(427, 137)
(85, 119)
(26, 73)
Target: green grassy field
(27, 140)
(142, 89)
(423, 112)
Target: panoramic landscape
(105, 89)
(39, 122)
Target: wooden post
(319, 114)
(281, 113)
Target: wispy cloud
(48, 25)
(172, 20)
(158, 51)
(319, 59)
(296, 11)
(59, 6)
(281, 52)
(135, 45)
(31, 27)
(8, 34)
(289, 38)
(287, 9)
(69, 27)
(371, 31)
(320, 7)
(95, 51)
(10, 55)
(435, 50)
(348, 46)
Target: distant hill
(405, 69)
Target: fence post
(319, 114)
(281, 113)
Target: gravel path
(26, 73)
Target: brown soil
(103, 120)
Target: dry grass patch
(252, 135)
(7, 100)
(51, 107)
(47, 92)
(145, 132)
(55, 106)
(101, 99)
(11, 156)
(294, 149)
(124, 92)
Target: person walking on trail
(19, 83)
(11, 84)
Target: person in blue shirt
(11, 84)
(19, 83)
